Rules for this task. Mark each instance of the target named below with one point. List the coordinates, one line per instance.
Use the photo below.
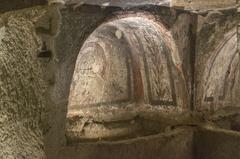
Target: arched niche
(124, 67)
(221, 76)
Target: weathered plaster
(217, 61)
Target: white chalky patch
(118, 34)
(106, 4)
(96, 68)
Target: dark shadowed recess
(8, 5)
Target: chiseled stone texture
(217, 72)
(119, 3)
(7, 5)
(184, 4)
(22, 88)
(202, 4)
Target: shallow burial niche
(221, 76)
(220, 92)
(126, 67)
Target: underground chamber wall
(125, 67)
(223, 67)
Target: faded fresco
(222, 73)
(116, 79)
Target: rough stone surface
(172, 145)
(118, 3)
(203, 4)
(183, 4)
(22, 89)
(212, 143)
(7, 5)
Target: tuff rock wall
(22, 87)
(203, 4)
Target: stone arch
(125, 64)
(222, 73)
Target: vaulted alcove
(125, 67)
(221, 75)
